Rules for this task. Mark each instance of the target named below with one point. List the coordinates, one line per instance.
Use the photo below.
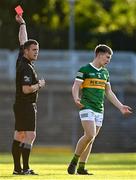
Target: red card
(19, 10)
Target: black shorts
(25, 116)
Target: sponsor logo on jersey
(91, 74)
(94, 83)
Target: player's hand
(126, 110)
(79, 105)
(41, 83)
(19, 19)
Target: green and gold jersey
(93, 86)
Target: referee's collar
(26, 60)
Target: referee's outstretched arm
(22, 30)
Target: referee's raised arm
(22, 30)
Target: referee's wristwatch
(23, 23)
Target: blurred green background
(111, 22)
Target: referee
(25, 110)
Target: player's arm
(75, 92)
(22, 30)
(115, 101)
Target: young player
(94, 82)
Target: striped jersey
(93, 86)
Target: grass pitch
(53, 166)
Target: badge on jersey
(26, 79)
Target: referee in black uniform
(25, 110)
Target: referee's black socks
(26, 149)
(16, 153)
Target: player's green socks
(75, 159)
(81, 165)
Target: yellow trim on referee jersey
(94, 83)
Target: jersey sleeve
(80, 74)
(20, 55)
(26, 76)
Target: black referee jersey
(25, 75)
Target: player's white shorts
(90, 115)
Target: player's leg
(85, 155)
(89, 135)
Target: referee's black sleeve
(26, 76)
(20, 55)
